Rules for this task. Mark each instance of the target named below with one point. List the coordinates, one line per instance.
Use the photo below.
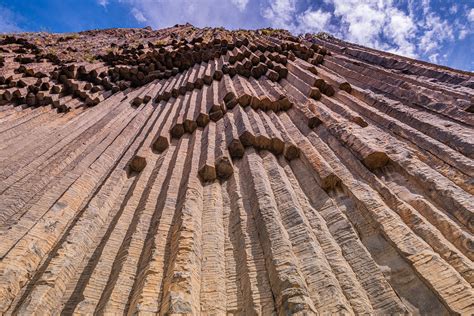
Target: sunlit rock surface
(204, 171)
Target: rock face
(202, 171)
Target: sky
(438, 31)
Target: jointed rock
(205, 171)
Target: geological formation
(204, 171)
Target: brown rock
(344, 189)
(137, 164)
(272, 75)
(161, 144)
(224, 168)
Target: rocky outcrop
(204, 171)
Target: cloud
(401, 30)
(362, 21)
(280, 13)
(284, 14)
(314, 21)
(8, 21)
(453, 9)
(433, 58)
(164, 13)
(463, 33)
(373, 23)
(138, 15)
(240, 4)
(436, 32)
(470, 15)
(103, 3)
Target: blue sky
(433, 30)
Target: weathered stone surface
(205, 171)
(138, 163)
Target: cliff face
(203, 171)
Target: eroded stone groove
(205, 171)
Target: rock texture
(203, 171)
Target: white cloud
(462, 28)
(405, 27)
(283, 14)
(313, 21)
(463, 33)
(470, 15)
(8, 22)
(280, 13)
(453, 9)
(433, 58)
(436, 32)
(377, 24)
(362, 20)
(425, 5)
(138, 15)
(103, 3)
(165, 13)
(401, 30)
(240, 4)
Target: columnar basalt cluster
(205, 171)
